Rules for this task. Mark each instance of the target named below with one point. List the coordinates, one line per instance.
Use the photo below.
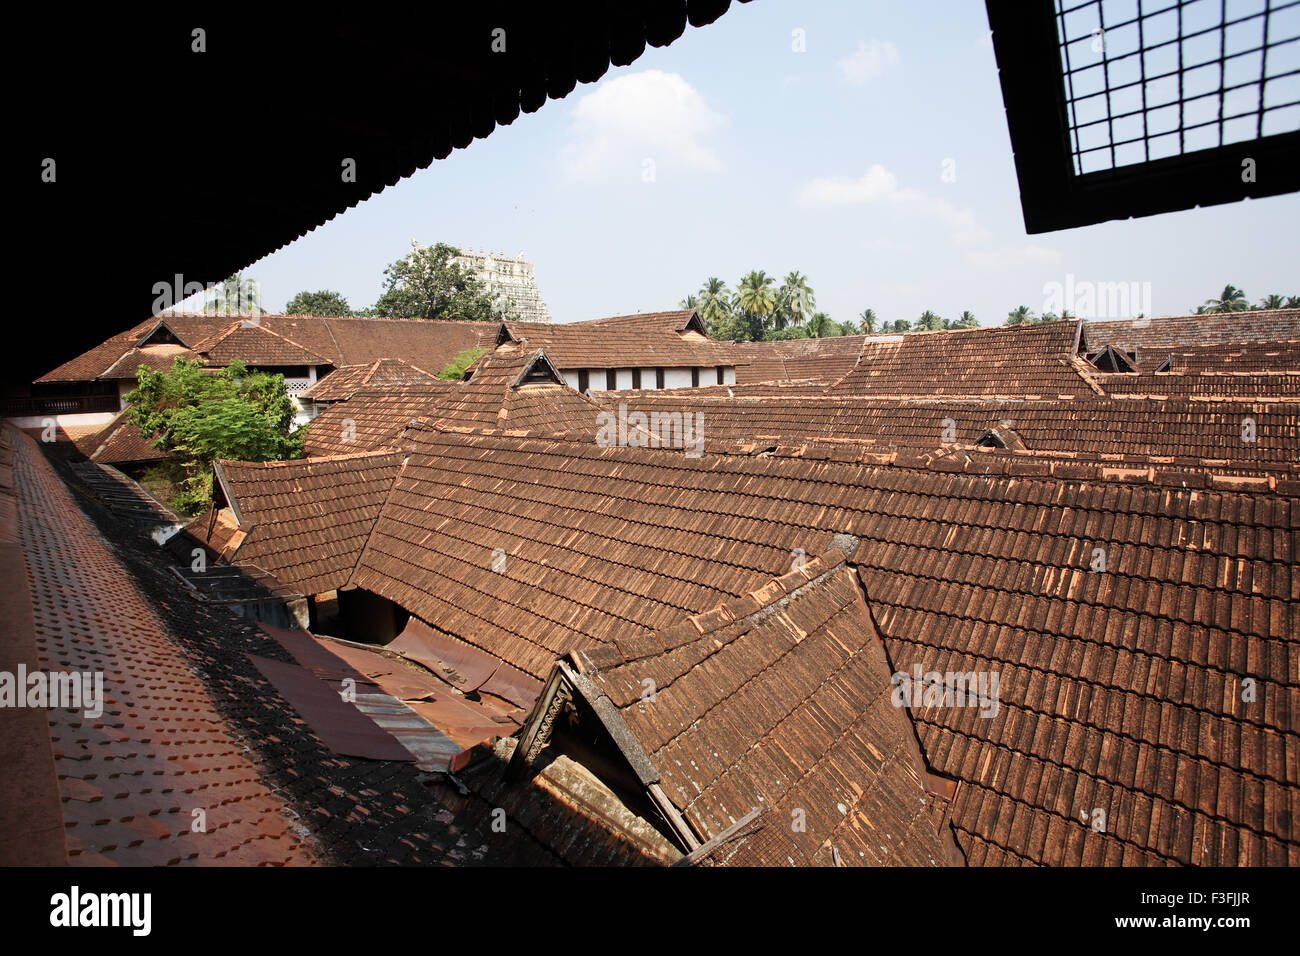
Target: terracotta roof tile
(341, 383)
(324, 505)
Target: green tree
(789, 332)
(237, 295)
(427, 285)
(715, 305)
(455, 369)
(1292, 302)
(929, 322)
(967, 321)
(322, 302)
(690, 302)
(756, 301)
(795, 301)
(868, 320)
(1020, 315)
(196, 416)
(1231, 299)
(1273, 301)
(901, 325)
(822, 326)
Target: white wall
(728, 375)
(679, 377)
(624, 379)
(571, 378)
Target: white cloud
(651, 115)
(879, 185)
(1012, 257)
(867, 62)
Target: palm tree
(868, 318)
(690, 302)
(902, 325)
(1273, 301)
(820, 325)
(715, 301)
(757, 300)
(1020, 315)
(1292, 302)
(236, 296)
(1231, 299)
(929, 321)
(796, 299)
(967, 321)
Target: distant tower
(509, 281)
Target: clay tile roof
(780, 702)
(341, 383)
(678, 320)
(126, 779)
(649, 341)
(255, 345)
(327, 340)
(374, 417)
(1024, 361)
(518, 389)
(326, 506)
(1091, 427)
(157, 357)
(1106, 669)
(819, 360)
(120, 443)
(1173, 332)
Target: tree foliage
(197, 416)
(428, 285)
(321, 302)
(237, 295)
(455, 369)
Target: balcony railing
(60, 405)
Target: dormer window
(1167, 365)
(1111, 359)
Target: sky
(863, 144)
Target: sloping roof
(129, 777)
(373, 417)
(824, 360)
(1180, 331)
(1025, 361)
(247, 341)
(120, 443)
(157, 357)
(1119, 681)
(606, 344)
(780, 702)
(342, 382)
(306, 521)
(327, 340)
(677, 320)
(514, 388)
(1209, 433)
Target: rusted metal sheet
(340, 725)
(433, 749)
(464, 667)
